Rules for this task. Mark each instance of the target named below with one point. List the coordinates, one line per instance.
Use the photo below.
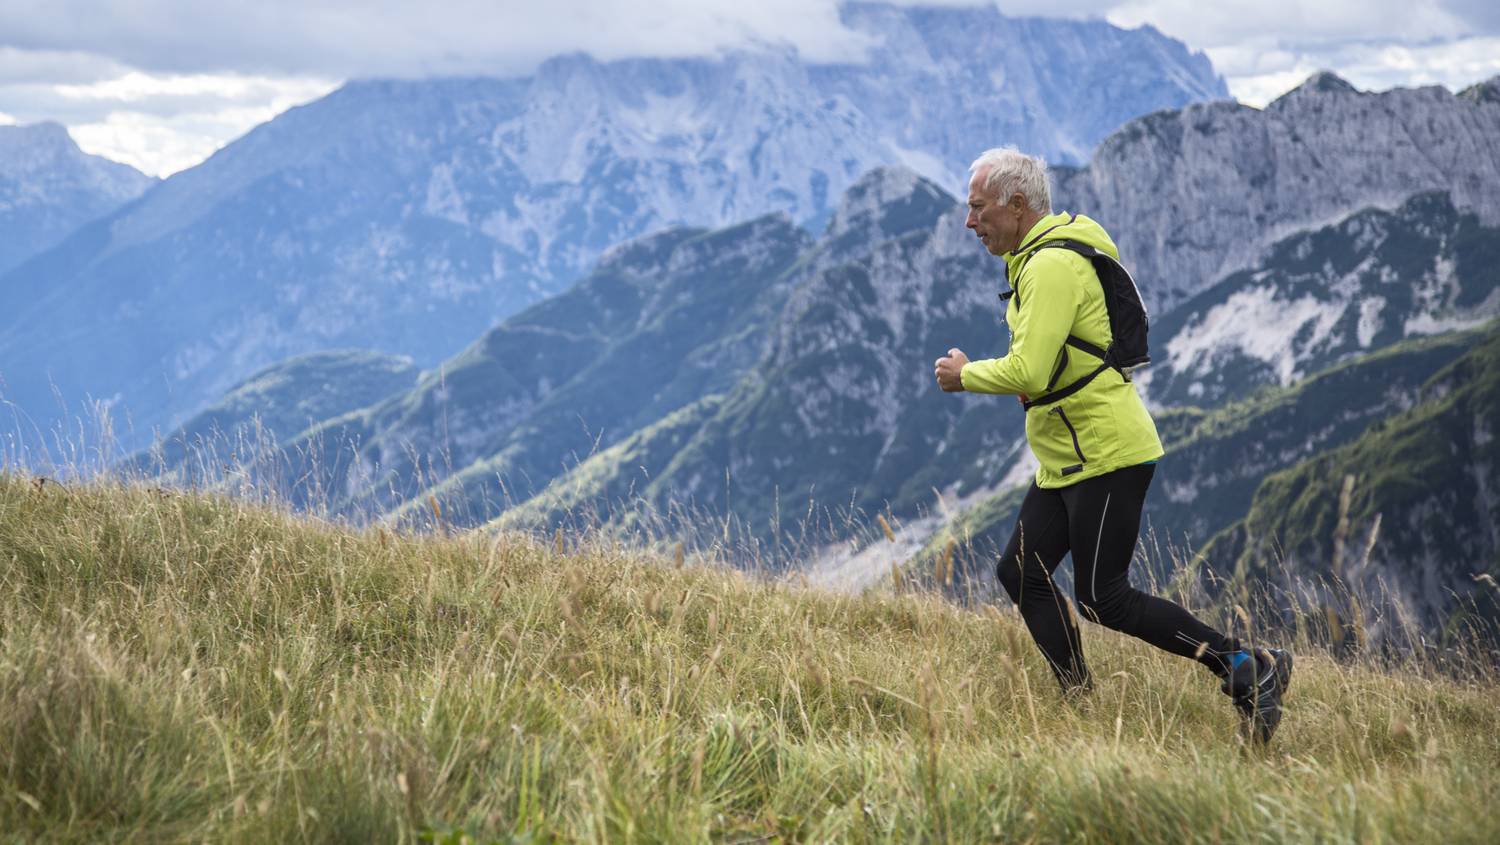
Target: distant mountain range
(785, 370)
(49, 187)
(410, 217)
(842, 410)
(690, 300)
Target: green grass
(177, 667)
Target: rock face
(801, 366)
(49, 187)
(1370, 280)
(825, 397)
(661, 322)
(835, 409)
(1195, 194)
(412, 216)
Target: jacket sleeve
(1050, 292)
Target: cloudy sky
(161, 84)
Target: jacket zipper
(1078, 450)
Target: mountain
(412, 216)
(1195, 194)
(838, 420)
(49, 187)
(754, 377)
(270, 408)
(1370, 280)
(841, 414)
(838, 412)
(1403, 520)
(660, 322)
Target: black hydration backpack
(1128, 324)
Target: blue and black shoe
(1257, 684)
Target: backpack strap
(1045, 233)
(1081, 344)
(1013, 290)
(1059, 395)
(1062, 364)
(1106, 359)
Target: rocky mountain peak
(1328, 81)
(1313, 155)
(48, 132)
(1486, 92)
(887, 202)
(1320, 85)
(647, 254)
(32, 147)
(744, 244)
(49, 187)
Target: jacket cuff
(967, 386)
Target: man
(1097, 447)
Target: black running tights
(1098, 520)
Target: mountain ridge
(49, 187)
(410, 216)
(1308, 159)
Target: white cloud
(163, 83)
(1257, 75)
(7, 120)
(1454, 64)
(344, 38)
(348, 38)
(1265, 48)
(151, 146)
(161, 123)
(1293, 22)
(53, 66)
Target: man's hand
(949, 369)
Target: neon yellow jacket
(1104, 426)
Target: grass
(185, 667)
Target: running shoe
(1257, 687)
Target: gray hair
(1013, 172)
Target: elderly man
(1093, 437)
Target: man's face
(997, 223)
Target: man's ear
(1017, 202)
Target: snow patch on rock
(1254, 322)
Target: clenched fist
(948, 370)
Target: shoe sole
(1283, 671)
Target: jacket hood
(1062, 227)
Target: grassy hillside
(179, 668)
